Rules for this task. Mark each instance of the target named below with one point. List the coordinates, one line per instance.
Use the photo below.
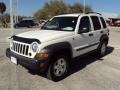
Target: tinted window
(85, 23)
(29, 21)
(96, 22)
(23, 22)
(103, 22)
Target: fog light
(41, 56)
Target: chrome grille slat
(25, 49)
(16, 47)
(20, 48)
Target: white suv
(61, 39)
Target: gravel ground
(87, 73)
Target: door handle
(91, 34)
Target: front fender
(56, 47)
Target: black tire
(51, 74)
(16, 26)
(102, 49)
(28, 26)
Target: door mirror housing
(83, 30)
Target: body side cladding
(104, 37)
(87, 46)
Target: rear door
(97, 30)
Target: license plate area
(14, 60)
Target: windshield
(61, 24)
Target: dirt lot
(87, 73)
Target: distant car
(116, 23)
(26, 23)
(42, 22)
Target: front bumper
(28, 62)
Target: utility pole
(17, 11)
(84, 6)
(11, 17)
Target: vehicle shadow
(80, 62)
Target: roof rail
(93, 13)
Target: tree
(76, 8)
(57, 7)
(5, 19)
(54, 7)
(2, 10)
(2, 7)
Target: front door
(84, 37)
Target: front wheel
(59, 68)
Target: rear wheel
(102, 49)
(59, 68)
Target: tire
(59, 68)
(28, 26)
(16, 26)
(102, 49)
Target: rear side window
(96, 22)
(103, 22)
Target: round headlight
(34, 46)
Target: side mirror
(83, 30)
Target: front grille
(20, 48)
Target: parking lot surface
(87, 73)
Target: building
(112, 19)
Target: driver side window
(84, 25)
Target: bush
(57, 7)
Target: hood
(45, 35)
